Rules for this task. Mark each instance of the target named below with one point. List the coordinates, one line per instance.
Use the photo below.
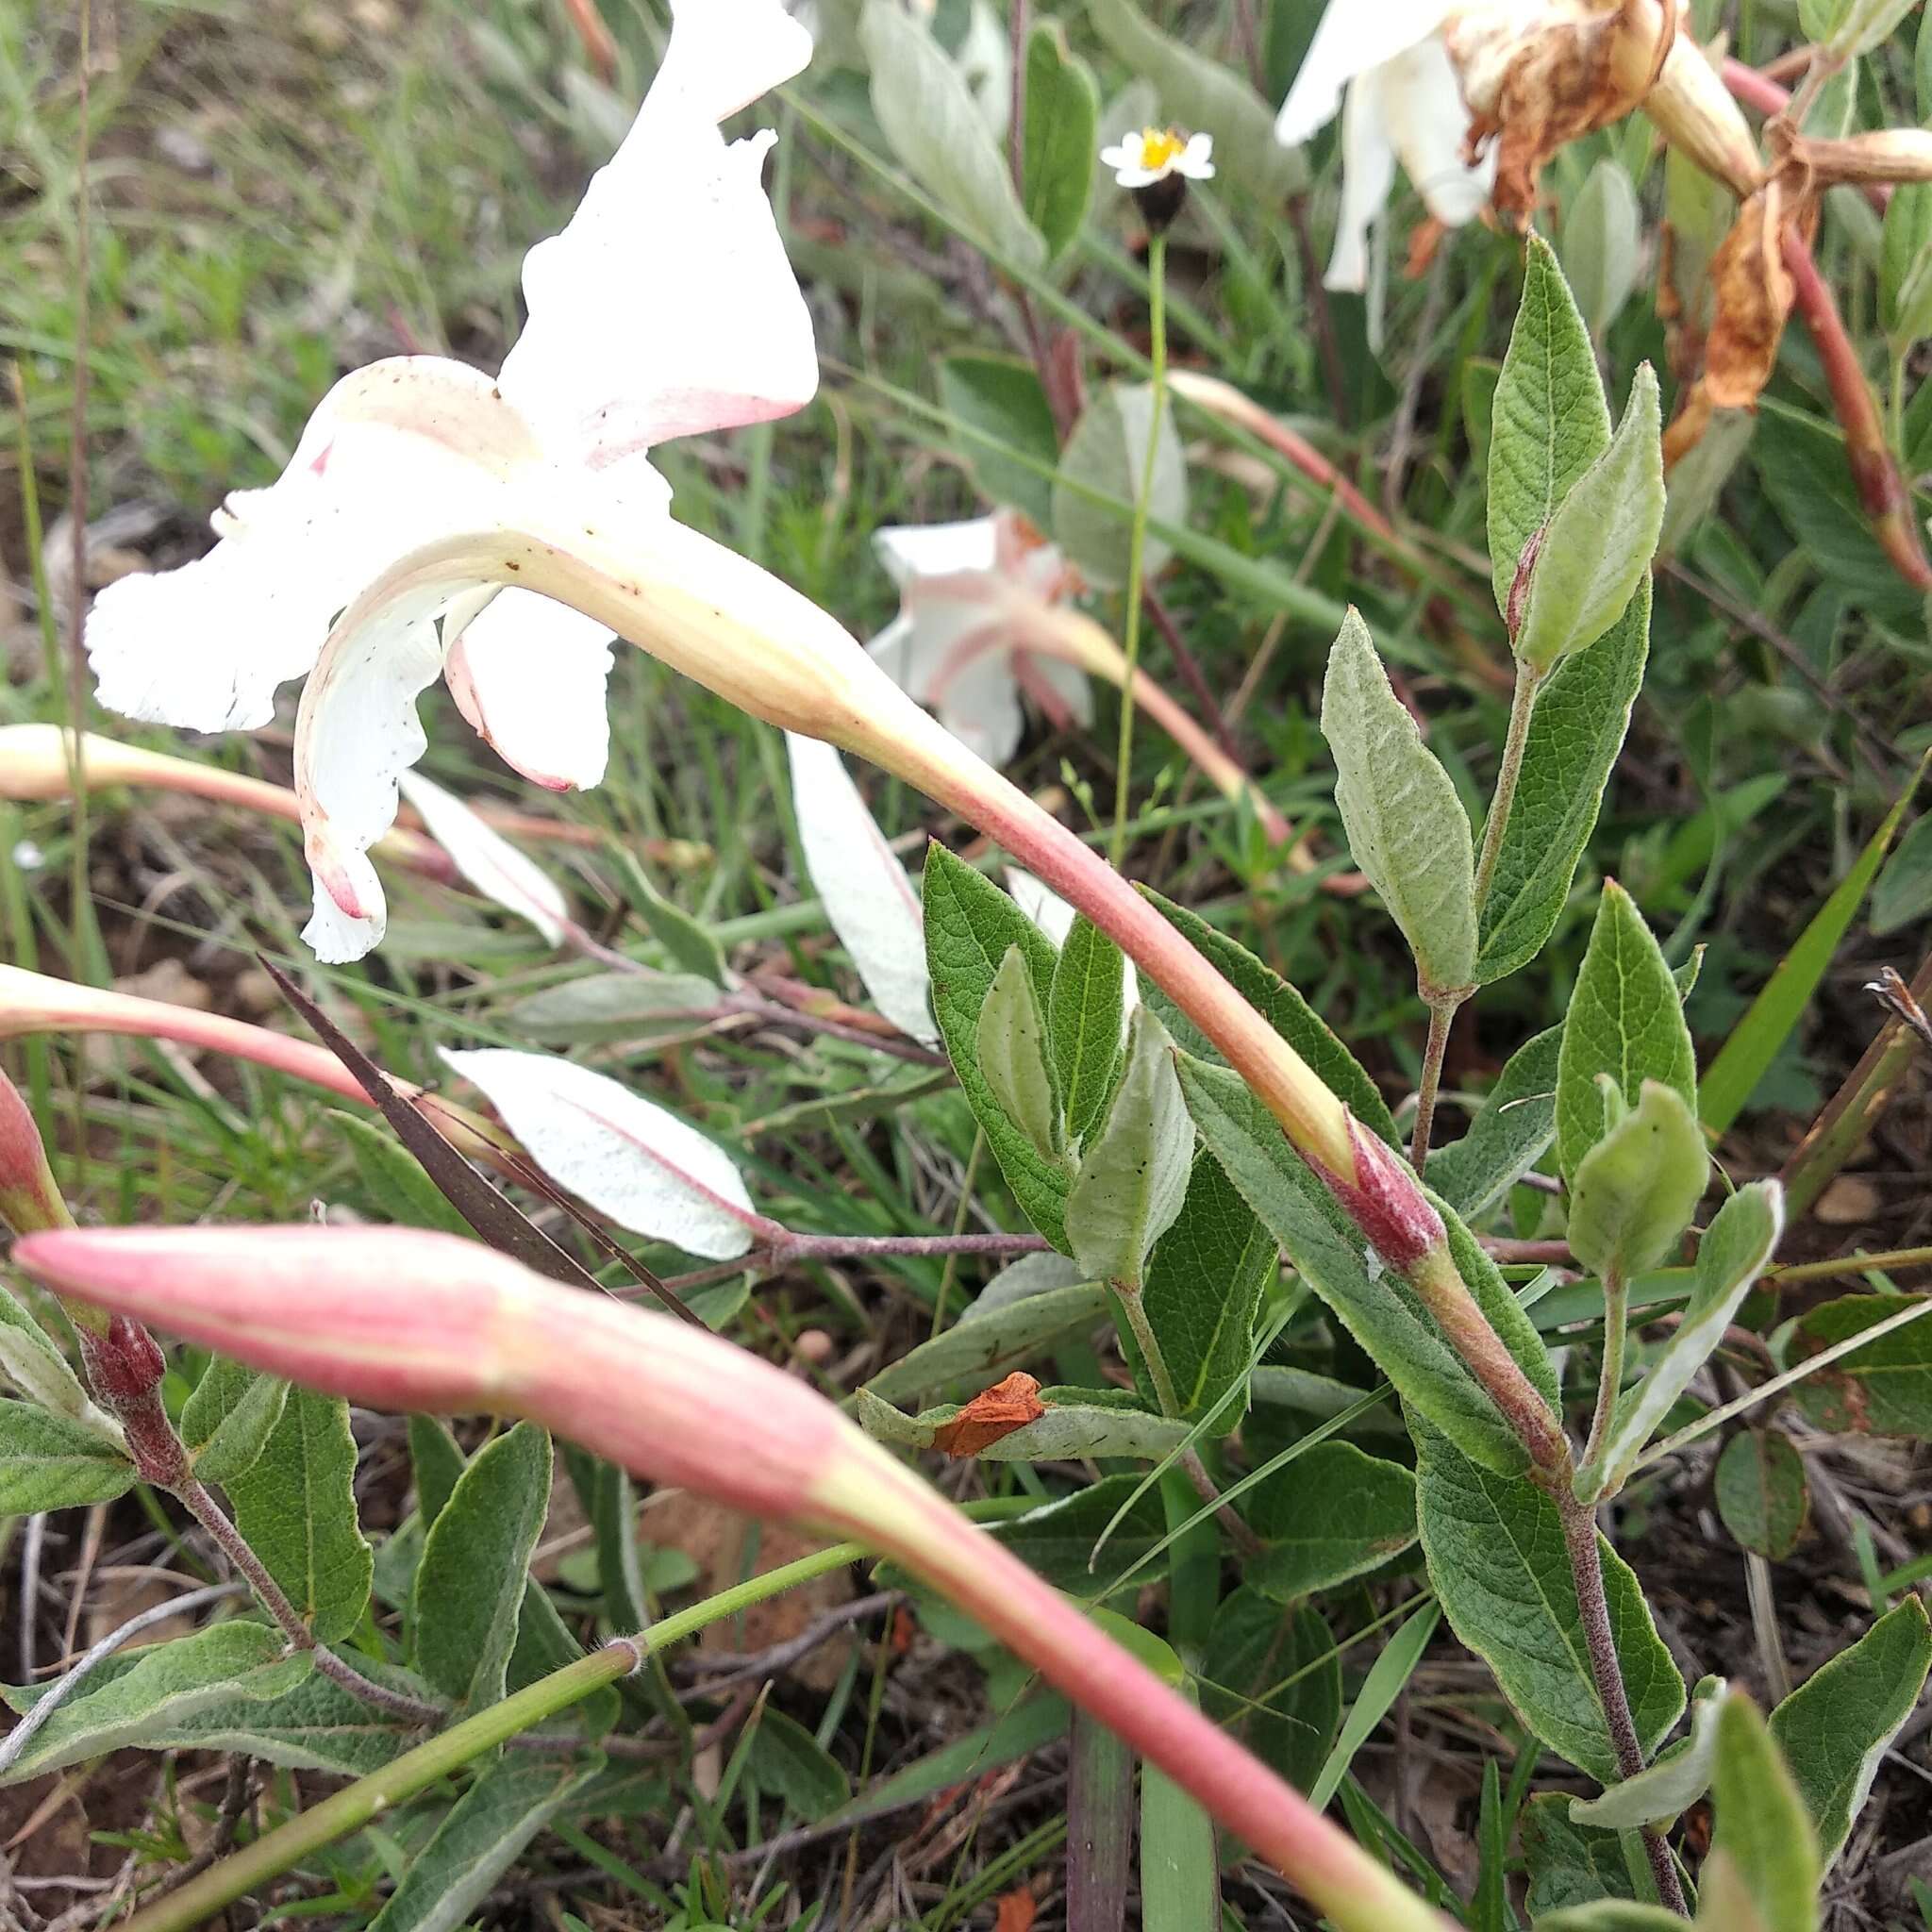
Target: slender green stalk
(1127, 1296)
(357, 1805)
(1522, 705)
(1136, 541)
(1610, 1379)
(1441, 1017)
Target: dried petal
(992, 1414)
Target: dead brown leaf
(992, 1414)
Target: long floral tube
(750, 638)
(422, 1321)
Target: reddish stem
(1881, 489)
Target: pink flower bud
(422, 1320)
(29, 1199)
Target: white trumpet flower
(1387, 71)
(953, 645)
(666, 308)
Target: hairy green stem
(1610, 1379)
(1127, 1296)
(1136, 541)
(357, 1805)
(1441, 1017)
(1521, 706)
(1587, 1568)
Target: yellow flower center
(1159, 146)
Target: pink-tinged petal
(388, 459)
(422, 1320)
(1429, 125)
(629, 1159)
(980, 704)
(863, 886)
(724, 53)
(1069, 683)
(530, 675)
(1367, 172)
(486, 860)
(910, 551)
(355, 733)
(1352, 39)
(667, 306)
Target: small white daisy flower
(1141, 157)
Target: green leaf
(1406, 828)
(1569, 1865)
(1011, 1045)
(932, 123)
(1602, 237)
(1134, 1177)
(295, 1507)
(1552, 422)
(1498, 1560)
(1617, 1915)
(1083, 1017)
(1108, 451)
(787, 1758)
(1387, 1680)
(30, 1361)
(984, 1348)
(393, 1179)
(1513, 1130)
(1676, 1781)
(1180, 1866)
(1835, 1727)
(1202, 97)
(1624, 1021)
(1762, 1497)
(1884, 1389)
(1061, 137)
(1205, 1282)
(1380, 1310)
(614, 1006)
(1281, 1006)
(970, 925)
(1328, 1516)
(134, 1698)
(438, 1464)
(1905, 265)
(1904, 892)
(1735, 1249)
(690, 943)
(1634, 1192)
(1763, 1831)
(1058, 1538)
(1274, 1679)
(1003, 398)
(1733, 1076)
(1864, 24)
(228, 1418)
(1802, 464)
(1597, 546)
(484, 1834)
(475, 1561)
(1575, 733)
(614, 1517)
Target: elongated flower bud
(425, 1321)
(29, 1199)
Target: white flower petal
(486, 860)
(1428, 124)
(393, 454)
(644, 1168)
(667, 306)
(531, 676)
(357, 732)
(724, 53)
(1070, 681)
(1367, 172)
(937, 550)
(980, 706)
(1196, 160)
(866, 893)
(1353, 38)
